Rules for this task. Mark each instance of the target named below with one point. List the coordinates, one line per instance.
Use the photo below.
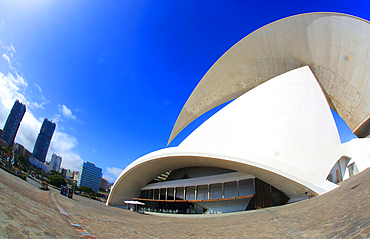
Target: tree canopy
(57, 180)
(86, 190)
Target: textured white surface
(334, 45)
(291, 145)
(283, 118)
(299, 126)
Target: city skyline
(114, 76)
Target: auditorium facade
(276, 142)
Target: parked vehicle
(44, 186)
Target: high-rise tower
(12, 123)
(43, 140)
(89, 176)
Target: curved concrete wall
(283, 118)
(334, 45)
(267, 133)
(291, 180)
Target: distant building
(70, 173)
(12, 123)
(75, 176)
(36, 163)
(43, 140)
(103, 186)
(55, 163)
(63, 171)
(3, 143)
(21, 150)
(89, 176)
(110, 185)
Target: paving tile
(27, 212)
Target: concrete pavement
(28, 212)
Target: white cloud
(6, 57)
(56, 118)
(112, 174)
(114, 171)
(12, 48)
(38, 87)
(13, 87)
(37, 105)
(109, 178)
(63, 144)
(66, 112)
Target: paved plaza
(28, 212)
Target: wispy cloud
(56, 118)
(112, 173)
(109, 178)
(38, 105)
(38, 87)
(63, 144)
(66, 112)
(13, 87)
(6, 57)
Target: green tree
(53, 172)
(2, 152)
(7, 154)
(57, 180)
(87, 190)
(23, 161)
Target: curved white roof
(291, 140)
(282, 118)
(334, 45)
(268, 133)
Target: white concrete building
(55, 163)
(277, 142)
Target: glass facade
(89, 176)
(13, 122)
(42, 144)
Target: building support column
(166, 194)
(254, 186)
(174, 193)
(159, 194)
(209, 190)
(184, 193)
(195, 192)
(238, 185)
(223, 190)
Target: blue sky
(114, 75)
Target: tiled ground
(27, 212)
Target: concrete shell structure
(334, 45)
(279, 129)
